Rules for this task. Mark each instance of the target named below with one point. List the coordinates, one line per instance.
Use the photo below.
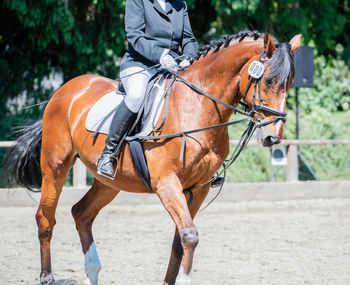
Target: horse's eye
(268, 81)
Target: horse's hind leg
(55, 170)
(177, 250)
(84, 213)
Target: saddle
(135, 144)
(100, 117)
(152, 90)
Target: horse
(44, 154)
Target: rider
(156, 30)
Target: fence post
(292, 163)
(79, 174)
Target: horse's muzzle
(269, 141)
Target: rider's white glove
(168, 62)
(184, 63)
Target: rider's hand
(185, 63)
(168, 62)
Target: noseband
(256, 71)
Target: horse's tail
(22, 161)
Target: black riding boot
(121, 122)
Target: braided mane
(226, 39)
(281, 64)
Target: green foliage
(38, 38)
(251, 166)
(332, 86)
(322, 22)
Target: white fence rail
(79, 170)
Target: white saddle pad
(106, 106)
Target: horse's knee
(189, 237)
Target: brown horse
(220, 70)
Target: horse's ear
(295, 43)
(269, 44)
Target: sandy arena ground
(256, 242)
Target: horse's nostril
(274, 139)
(270, 141)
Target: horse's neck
(219, 75)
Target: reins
(200, 91)
(255, 76)
(256, 70)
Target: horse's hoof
(86, 282)
(183, 281)
(47, 280)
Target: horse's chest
(203, 165)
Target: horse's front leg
(177, 257)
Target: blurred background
(44, 43)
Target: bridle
(256, 70)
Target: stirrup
(217, 182)
(105, 175)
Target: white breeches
(135, 86)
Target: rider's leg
(135, 87)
